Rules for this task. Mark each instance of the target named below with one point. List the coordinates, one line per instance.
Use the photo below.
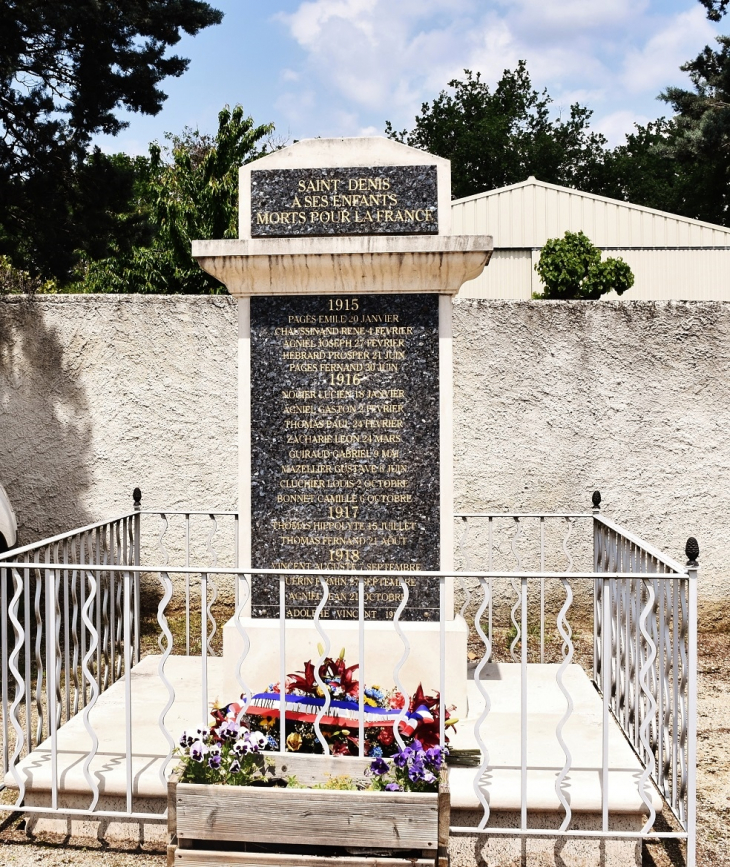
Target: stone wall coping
(344, 245)
(345, 264)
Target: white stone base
(383, 651)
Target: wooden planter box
(374, 827)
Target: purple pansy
(197, 751)
(379, 767)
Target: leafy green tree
(191, 195)
(15, 281)
(682, 164)
(698, 142)
(715, 8)
(500, 137)
(66, 68)
(571, 268)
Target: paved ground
(713, 787)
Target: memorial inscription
(375, 200)
(345, 450)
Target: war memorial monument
(344, 270)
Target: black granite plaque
(345, 450)
(375, 200)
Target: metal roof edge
(533, 182)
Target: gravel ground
(713, 781)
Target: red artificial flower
(428, 734)
(386, 736)
(428, 731)
(304, 680)
(397, 700)
(336, 668)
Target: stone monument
(345, 269)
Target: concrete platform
(500, 784)
(108, 768)
(545, 708)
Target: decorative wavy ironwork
(94, 689)
(38, 654)
(484, 765)
(164, 626)
(326, 692)
(164, 524)
(401, 662)
(516, 625)
(210, 601)
(648, 752)
(246, 693)
(564, 630)
(19, 634)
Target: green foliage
(341, 784)
(65, 69)
(715, 8)
(14, 281)
(571, 268)
(500, 137)
(193, 194)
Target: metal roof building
(672, 257)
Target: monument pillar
(345, 271)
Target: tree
(66, 68)
(500, 137)
(571, 268)
(698, 143)
(715, 8)
(681, 164)
(193, 194)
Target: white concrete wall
(680, 274)
(552, 399)
(99, 394)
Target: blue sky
(344, 67)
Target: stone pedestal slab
(383, 650)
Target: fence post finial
(692, 550)
(596, 499)
(137, 497)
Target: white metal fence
(74, 621)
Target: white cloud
(650, 67)
(616, 125)
(371, 60)
(566, 18)
(377, 53)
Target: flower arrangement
(412, 769)
(339, 724)
(227, 753)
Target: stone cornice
(349, 264)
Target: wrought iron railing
(71, 625)
(645, 634)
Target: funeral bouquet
(417, 717)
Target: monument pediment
(360, 186)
